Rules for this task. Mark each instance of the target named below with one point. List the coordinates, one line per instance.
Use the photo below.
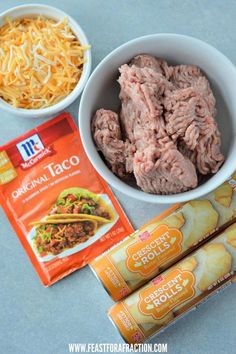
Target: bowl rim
(66, 101)
(221, 176)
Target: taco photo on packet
(81, 203)
(77, 216)
(62, 211)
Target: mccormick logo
(32, 151)
(30, 147)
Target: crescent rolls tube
(165, 240)
(179, 289)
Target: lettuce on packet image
(62, 211)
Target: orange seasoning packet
(63, 212)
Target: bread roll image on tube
(164, 241)
(177, 290)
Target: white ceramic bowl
(51, 12)
(102, 91)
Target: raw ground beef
(166, 134)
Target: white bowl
(51, 12)
(102, 91)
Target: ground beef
(69, 231)
(148, 61)
(107, 136)
(77, 228)
(73, 234)
(166, 134)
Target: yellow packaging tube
(177, 290)
(164, 240)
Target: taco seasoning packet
(63, 212)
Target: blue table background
(36, 320)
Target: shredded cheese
(41, 62)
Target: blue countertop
(38, 320)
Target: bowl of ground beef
(157, 118)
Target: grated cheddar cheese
(41, 62)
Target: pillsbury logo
(30, 147)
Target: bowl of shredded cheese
(45, 60)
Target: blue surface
(36, 320)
